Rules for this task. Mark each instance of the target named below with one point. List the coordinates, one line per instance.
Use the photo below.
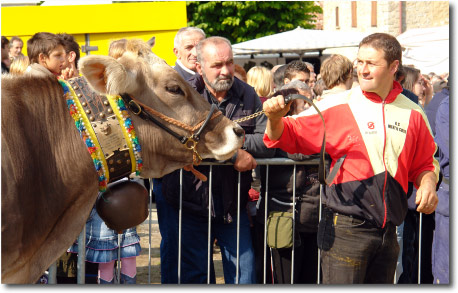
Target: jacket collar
(397, 89)
(184, 68)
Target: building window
(353, 14)
(374, 13)
(337, 18)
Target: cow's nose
(239, 131)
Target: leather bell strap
(106, 124)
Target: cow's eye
(175, 89)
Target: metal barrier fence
(267, 163)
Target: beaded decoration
(120, 109)
(90, 139)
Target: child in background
(72, 56)
(19, 65)
(46, 53)
(261, 79)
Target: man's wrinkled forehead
(218, 53)
(363, 49)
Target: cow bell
(123, 205)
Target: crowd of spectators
(208, 65)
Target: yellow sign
(98, 25)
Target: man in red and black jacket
(387, 141)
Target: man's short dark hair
(42, 42)
(387, 43)
(5, 42)
(279, 76)
(294, 67)
(319, 87)
(70, 45)
(400, 74)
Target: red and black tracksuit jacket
(387, 143)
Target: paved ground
(143, 276)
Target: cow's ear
(106, 75)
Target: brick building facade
(393, 17)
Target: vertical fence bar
(267, 162)
(82, 237)
(149, 227)
(419, 247)
(118, 269)
(210, 244)
(52, 272)
(81, 264)
(319, 250)
(237, 268)
(179, 226)
(265, 224)
(294, 224)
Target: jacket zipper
(384, 164)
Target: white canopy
(299, 41)
(426, 48)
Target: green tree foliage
(241, 21)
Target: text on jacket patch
(397, 127)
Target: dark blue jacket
(186, 75)
(241, 100)
(442, 136)
(413, 97)
(431, 108)
(442, 139)
(441, 253)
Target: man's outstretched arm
(275, 109)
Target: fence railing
(265, 162)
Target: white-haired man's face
(16, 48)
(186, 52)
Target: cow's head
(147, 78)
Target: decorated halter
(191, 141)
(106, 129)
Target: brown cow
(49, 182)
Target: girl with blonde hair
(260, 78)
(19, 65)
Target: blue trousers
(441, 240)
(167, 217)
(194, 246)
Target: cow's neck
(106, 129)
